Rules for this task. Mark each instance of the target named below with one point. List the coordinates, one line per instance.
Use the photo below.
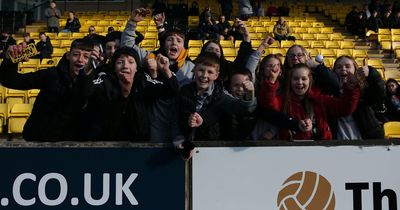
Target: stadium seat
(33, 63)
(2, 93)
(237, 43)
(395, 74)
(359, 53)
(392, 129)
(103, 23)
(151, 35)
(32, 94)
(347, 45)
(327, 53)
(340, 52)
(78, 35)
(287, 43)
(395, 31)
(227, 44)
(307, 36)
(304, 43)
(376, 63)
(3, 116)
(384, 31)
(332, 44)
(336, 36)
(66, 43)
(194, 51)
(280, 51)
(17, 117)
(48, 62)
(386, 45)
(313, 30)
(230, 52)
(14, 96)
(64, 35)
(52, 36)
(24, 70)
(195, 43)
(313, 52)
(317, 44)
(326, 30)
(59, 52)
(322, 37)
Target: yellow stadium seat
(395, 31)
(56, 43)
(386, 45)
(317, 24)
(2, 93)
(91, 23)
(329, 62)
(33, 63)
(317, 44)
(227, 44)
(229, 52)
(313, 30)
(64, 35)
(78, 35)
(52, 36)
(384, 37)
(306, 25)
(304, 43)
(392, 129)
(24, 70)
(327, 53)
(395, 74)
(360, 53)
(347, 44)
(312, 52)
(66, 43)
(280, 51)
(397, 53)
(195, 43)
(307, 36)
(326, 30)
(150, 35)
(32, 94)
(336, 36)
(48, 62)
(384, 31)
(103, 23)
(148, 43)
(300, 30)
(194, 51)
(322, 37)
(3, 116)
(118, 23)
(253, 36)
(261, 29)
(287, 43)
(17, 117)
(376, 63)
(332, 44)
(340, 52)
(237, 43)
(59, 52)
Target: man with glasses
(94, 36)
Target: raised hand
(159, 19)
(248, 87)
(139, 14)
(163, 65)
(151, 65)
(195, 120)
(15, 51)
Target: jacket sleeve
(128, 40)
(252, 63)
(326, 80)
(279, 119)
(375, 91)
(268, 98)
(157, 89)
(10, 78)
(50, 47)
(243, 54)
(343, 105)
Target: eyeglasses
(299, 55)
(91, 30)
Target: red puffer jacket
(323, 107)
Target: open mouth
(173, 50)
(125, 71)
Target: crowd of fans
(372, 17)
(128, 93)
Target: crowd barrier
(221, 175)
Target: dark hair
(207, 59)
(72, 12)
(82, 44)
(262, 65)
(42, 33)
(203, 49)
(113, 36)
(26, 34)
(125, 51)
(386, 86)
(286, 63)
(171, 32)
(362, 81)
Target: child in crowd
(299, 100)
(362, 123)
(203, 102)
(393, 100)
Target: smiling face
(205, 75)
(300, 81)
(295, 56)
(343, 67)
(213, 48)
(77, 60)
(236, 85)
(173, 46)
(127, 65)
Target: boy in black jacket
(55, 111)
(204, 101)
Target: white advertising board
(301, 177)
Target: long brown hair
(261, 67)
(362, 80)
(288, 88)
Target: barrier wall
(221, 175)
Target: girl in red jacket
(300, 101)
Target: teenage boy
(55, 111)
(204, 101)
